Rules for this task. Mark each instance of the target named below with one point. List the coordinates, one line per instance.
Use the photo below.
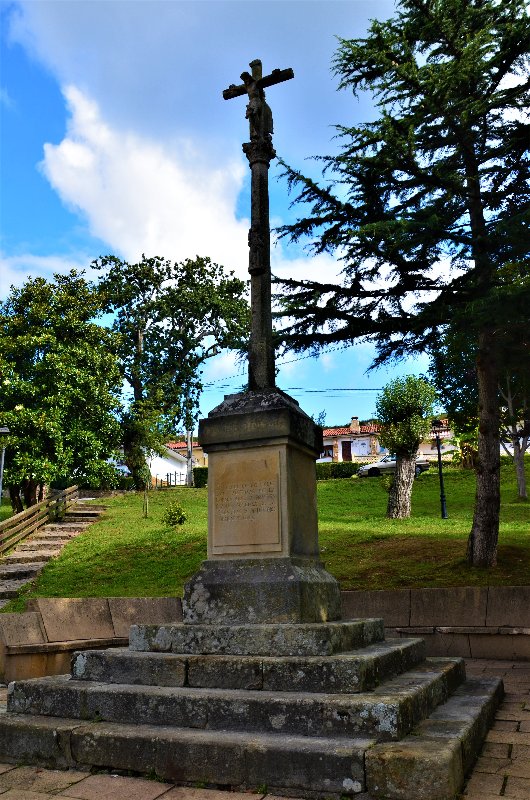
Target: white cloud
(5, 98)
(15, 270)
(140, 196)
(224, 365)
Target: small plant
(174, 515)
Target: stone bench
(41, 641)
(470, 622)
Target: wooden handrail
(20, 526)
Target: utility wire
(291, 361)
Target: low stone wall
(41, 641)
(471, 622)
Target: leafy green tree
(171, 317)
(404, 410)
(60, 387)
(426, 203)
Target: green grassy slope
(126, 555)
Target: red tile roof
(347, 431)
(180, 445)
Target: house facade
(352, 442)
(170, 468)
(199, 457)
(356, 442)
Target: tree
(59, 386)
(404, 410)
(453, 372)
(171, 317)
(427, 203)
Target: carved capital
(260, 151)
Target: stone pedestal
(263, 559)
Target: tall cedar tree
(427, 203)
(171, 317)
(453, 372)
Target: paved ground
(503, 769)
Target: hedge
(327, 470)
(200, 477)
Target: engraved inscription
(244, 497)
(245, 501)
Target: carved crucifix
(260, 152)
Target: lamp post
(4, 431)
(437, 425)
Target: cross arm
(276, 76)
(234, 91)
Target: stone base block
(316, 639)
(243, 591)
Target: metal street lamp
(437, 425)
(4, 431)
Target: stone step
(316, 767)
(10, 589)
(356, 671)
(19, 571)
(387, 713)
(57, 533)
(434, 759)
(83, 515)
(67, 528)
(41, 544)
(428, 764)
(29, 556)
(278, 639)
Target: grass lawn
(125, 555)
(5, 509)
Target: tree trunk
(518, 458)
(482, 542)
(401, 489)
(14, 496)
(29, 490)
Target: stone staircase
(24, 563)
(314, 710)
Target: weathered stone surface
(473, 707)
(18, 629)
(42, 741)
(508, 605)
(415, 770)
(387, 713)
(67, 618)
(118, 665)
(354, 671)
(465, 605)
(259, 415)
(243, 591)
(393, 606)
(236, 759)
(148, 610)
(277, 640)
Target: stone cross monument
(263, 560)
(260, 152)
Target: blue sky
(116, 139)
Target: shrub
(174, 515)
(200, 477)
(336, 469)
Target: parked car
(387, 464)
